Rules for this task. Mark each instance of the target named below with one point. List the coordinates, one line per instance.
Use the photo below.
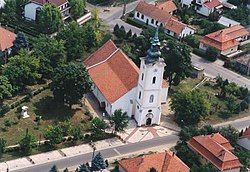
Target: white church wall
(164, 95)
(30, 11)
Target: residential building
(153, 16)
(161, 162)
(6, 41)
(32, 9)
(227, 22)
(216, 150)
(243, 64)
(168, 6)
(244, 140)
(119, 84)
(226, 41)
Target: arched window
(138, 14)
(149, 110)
(139, 95)
(142, 16)
(142, 76)
(151, 99)
(154, 80)
(152, 21)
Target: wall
(186, 2)
(187, 31)
(233, 170)
(164, 95)
(144, 20)
(244, 142)
(230, 50)
(30, 11)
(204, 11)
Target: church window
(152, 21)
(151, 99)
(149, 110)
(142, 16)
(154, 79)
(138, 14)
(139, 95)
(138, 107)
(142, 76)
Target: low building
(161, 162)
(119, 84)
(244, 140)
(32, 9)
(227, 22)
(168, 6)
(216, 150)
(153, 16)
(226, 41)
(243, 64)
(7, 39)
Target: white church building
(119, 84)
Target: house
(153, 16)
(203, 7)
(168, 6)
(6, 41)
(226, 41)
(244, 140)
(243, 64)
(161, 162)
(119, 84)
(216, 150)
(227, 22)
(32, 9)
(2, 3)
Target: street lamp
(7, 166)
(92, 144)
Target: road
(107, 153)
(213, 70)
(240, 124)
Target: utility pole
(124, 8)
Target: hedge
(134, 23)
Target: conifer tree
(98, 163)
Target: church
(119, 84)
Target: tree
(83, 168)
(230, 133)
(77, 8)
(192, 40)
(119, 120)
(66, 170)
(50, 18)
(9, 11)
(98, 163)
(54, 134)
(241, 14)
(95, 17)
(90, 36)
(51, 53)
(22, 70)
(54, 169)
(98, 127)
(2, 146)
(20, 7)
(5, 89)
(27, 142)
(204, 168)
(76, 132)
(129, 34)
(190, 106)
(70, 83)
(116, 29)
(74, 37)
(20, 42)
(178, 61)
(212, 53)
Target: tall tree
(9, 10)
(54, 134)
(51, 53)
(22, 70)
(5, 88)
(190, 106)
(119, 120)
(77, 8)
(95, 16)
(27, 142)
(54, 169)
(98, 127)
(90, 36)
(20, 7)
(74, 37)
(2, 146)
(98, 163)
(70, 83)
(20, 42)
(83, 168)
(50, 18)
(178, 61)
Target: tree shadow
(50, 109)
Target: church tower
(149, 89)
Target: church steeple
(154, 52)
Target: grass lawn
(44, 105)
(220, 115)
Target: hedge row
(135, 23)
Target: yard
(219, 106)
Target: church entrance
(149, 121)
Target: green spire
(154, 52)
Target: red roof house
(162, 162)
(168, 6)
(217, 150)
(6, 39)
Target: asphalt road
(107, 153)
(213, 70)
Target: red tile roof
(211, 147)
(162, 162)
(6, 39)
(175, 26)
(168, 6)
(225, 38)
(212, 4)
(113, 73)
(152, 11)
(56, 2)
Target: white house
(227, 22)
(153, 16)
(119, 84)
(32, 9)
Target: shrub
(212, 53)
(4, 109)
(7, 122)
(244, 105)
(199, 52)
(134, 23)
(192, 40)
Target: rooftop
(162, 162)
(56, 2)
(245, 60)
(168, 6)
(227, 22)
(212, 4)
(6, 39)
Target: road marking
(117, 152)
